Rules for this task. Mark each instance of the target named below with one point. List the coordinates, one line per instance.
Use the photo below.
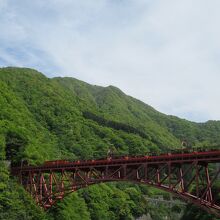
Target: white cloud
(165, 53)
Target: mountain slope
(42, 119)
(115, 105)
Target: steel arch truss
(192, 181)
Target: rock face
(145, 217)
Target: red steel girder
(190, 176)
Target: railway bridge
(191, 176)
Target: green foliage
(2, 146)
(107, 202)
(72, 207)
(113, 124)
(15, 203)
(193, 212)
(43, 119)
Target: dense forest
(64, 118)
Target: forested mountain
(43, 119)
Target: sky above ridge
(165, 53)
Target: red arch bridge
(193, 176)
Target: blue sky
(165, 53)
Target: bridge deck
(180, 158)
